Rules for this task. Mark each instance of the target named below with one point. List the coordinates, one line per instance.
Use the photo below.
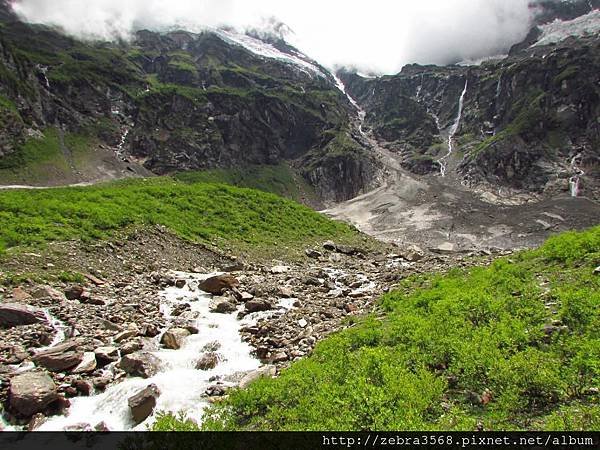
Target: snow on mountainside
(262, 48)
(560, 30)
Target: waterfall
(362, 114)
(419, 89)
(453, 129)
(574, 181)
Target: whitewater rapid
(182, 386)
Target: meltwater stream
(453, 129)
(181, 385)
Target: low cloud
(379, 35)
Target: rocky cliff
(181, 101)
(528, 122)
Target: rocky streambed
(110, 354)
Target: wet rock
(62, 357)
(142, 364)
(173, 339)
(31, 393)
(257, 305)
(101, 427)
(15, 314)
(208, 361)
(130, 347)
(100, 383)
(143, 403)
(180, 284)
(74, 292)
(216, 390)
(106, 355)
(311, 253)
(222, 305)
(84, 387)
(265, 371)
(217, 284)
(36, 421)
(150, 330)
(87, 364)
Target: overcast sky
(373, 35)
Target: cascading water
(362, 114)
(574, 181)
(453, 130)
(181, 385)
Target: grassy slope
(277, 179)
(444, 341)
(215, 213)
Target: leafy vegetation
(278, 179)
(512, 346)
(212, 213)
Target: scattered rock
(173, 338)
(217, 284)
(74, 292)
(143, 403)
(413, 254)
(14, 314)
(62, 357)
(329, 245)
(216, 390)
(106, 355)
(87, 364)
(142, 364)
(31, 393)
(208, 361)
(350, 308)
(84, 387)
(48, 292)
(257, 305)
(132, 332)
(285, 292)
(130, 347)
(246, 296)
(302, 323)
(222, 305)
(279, 357)
(311, 253)
(36, 421)
(279, 269)
(265, 371)
(180, 284)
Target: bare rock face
(142, 364)
(31, 393)
(62, 357)
(217, 284)
(15, 314)
(173, 338)
(142, 404)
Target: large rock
(143, 403)
(61, 357)
(87, 364)
(217, 284)
(31, 393)
(208, 361)
(15, 314)
(222, 305)
(106, 355)
(142, 364)
(174, 338)
(265, 371)
(257, 305)
(74, 292)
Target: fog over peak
(376, 36)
